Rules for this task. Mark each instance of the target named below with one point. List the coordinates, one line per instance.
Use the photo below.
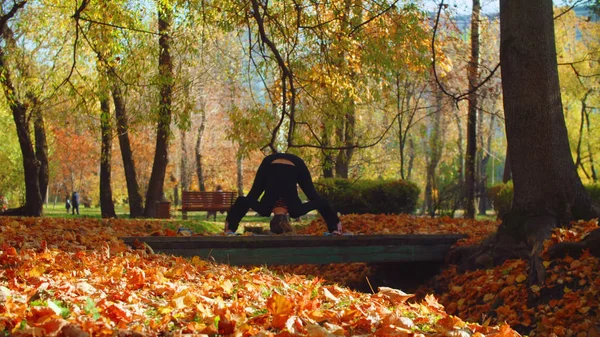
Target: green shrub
(502, 197)
(343, 195)
(369, 196)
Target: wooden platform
(298, 249)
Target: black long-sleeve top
(279, 181)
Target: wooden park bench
(206, 201)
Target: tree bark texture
(41, 145)
(107, 207)
(546, 183)
(547, 189)
(165, 69)
(473, 75)
(136, 208)
(198, 153)
(31, 165)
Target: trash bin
(163, 209)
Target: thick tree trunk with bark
(107, 207)
(547, 190)
(507, 174)
(473, 75)
(545, 180)
(165, 69)
(41, 145)
(31, 165)
(136, 208)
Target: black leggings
(296, 209)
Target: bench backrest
(209, 200)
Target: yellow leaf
(535, 288)
(567, 290)
(520, 278)
(164, 310)
(227, 286)
(488, 297)
(37, 271)
(198, 262)
(279, 305)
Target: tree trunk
(342, 163)
(136, 208)
(484, 158)
(434, 156)
(507, 174)
(240, 175)
(460, 172)
(473, 75)
(183, 172)
(547, 190)
(411, 158)
(546, 183)
(198, 154)
(165, 70)
(107, 207)
(31, 165)
(41, 146)
(327, 156)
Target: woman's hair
(280, 224)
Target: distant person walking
(75, 202)
(68, 205)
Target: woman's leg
(322, 206)
(239, 209)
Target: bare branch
(575, 4)
(119, 27)
(385, 10)
(462, 96)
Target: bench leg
(184, 215)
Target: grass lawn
(196, 221)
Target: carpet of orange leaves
(568, 304)
(74, 277)
(64, 277)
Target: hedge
(502, 196)
(369, 196)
